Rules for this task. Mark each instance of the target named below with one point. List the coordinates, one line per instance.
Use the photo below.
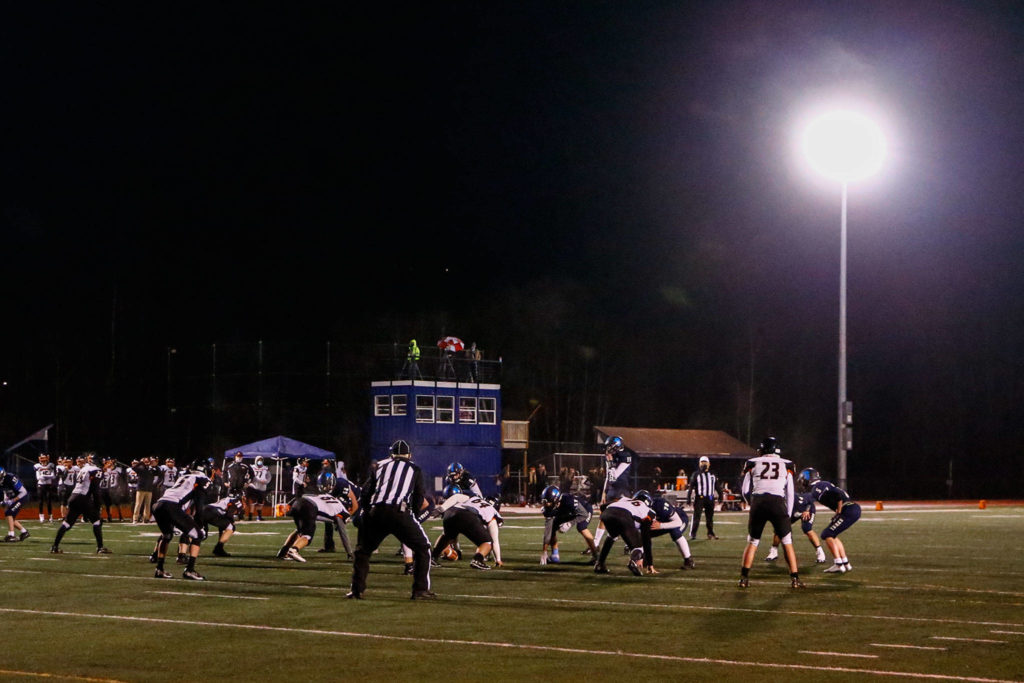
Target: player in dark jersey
(15, 495)
(348, 493)
(803, 512)
(847, 513)
(219, 514)
(189, 491)
(472, 519)
(618, 467)
(110, 488)
(562, 512)
(673, 521)
(85, 503)
(307, 510)
(459, 476)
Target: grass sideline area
(937, 593)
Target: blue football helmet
(808, 477)
(550, 496)
(451, 490)
(644, 497)
(613, 444)
(326, 482)
(455, 470)
(3, 473)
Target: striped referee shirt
(703, 484)
(396, 481)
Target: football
(449, 554)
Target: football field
(936, 594)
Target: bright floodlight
(844, 145)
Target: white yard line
(909, 647)
(968, 640)
(209, 595)
(836, 654)
(447, 642)
(63, 677)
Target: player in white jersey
(190, 490)
(256, 491)
(85, 503)
(768, 487)
(307, 510)
(478, 520)
(632, 519)
(46, 486)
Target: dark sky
(255, 171)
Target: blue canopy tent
(279, 448)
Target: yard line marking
(1011, 633)
(507, 646)
(63, 677)
(909, 647)
(209, 595)
(584, 603)
(836, 654)
(968, 640)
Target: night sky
(605, 180)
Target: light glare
(844, 145)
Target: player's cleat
(601, 569)
(635, 568)
(848, 567)
(688, 563)
(423, 595)
(55, 550)
(103, 551)
(586, 551)
(712, 537)
(161, 574)
(836, 569)
(9, 539)
(477, 564)
(796, 583)
(24, 535)
(220, 552)
(771, 557)
(181, 559)
(293, 554)
(193, 575)
(352, 595)
(744, 582)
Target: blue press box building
(443, 422)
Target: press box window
(424, 408)
(467, 410)
(488, 411)
(381, 406)
(399, 404)
(446, 409)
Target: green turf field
(937, 593)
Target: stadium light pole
(844, 146)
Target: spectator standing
(147, 478)
(238, 475)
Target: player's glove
(544, 557)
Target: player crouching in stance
(847, 512)
(190, 489)
(219, 514)
(673, 521)
(768, 488)
(633, 520)
(478, 520)
(307, 510)
(15, 495)
(562, 511)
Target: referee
(391, 497)
(705, 485)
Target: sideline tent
(279, 448)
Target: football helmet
(3, 473)
(613, 444)
(400, 449)
(645, 497)
(197, 465)
(550, 496)
(770, 446)
(808, 477)
(455, 470)
(450, 490)
(326, 482)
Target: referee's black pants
(380, 522)
(706, 505)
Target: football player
(306, 511)
(256, 491)
(847, 513)
(299, 477)
(563, 511)
(219, 514)
(673, 521)
(15, 495)
(85, 503)
(190, 491)
(633, 520)
(459, 476)
(473, 519)
(46, 486)
(110, 488)
(348, 493)
(618, 461)
(803, 511)
(768, 488)
(168, 475)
